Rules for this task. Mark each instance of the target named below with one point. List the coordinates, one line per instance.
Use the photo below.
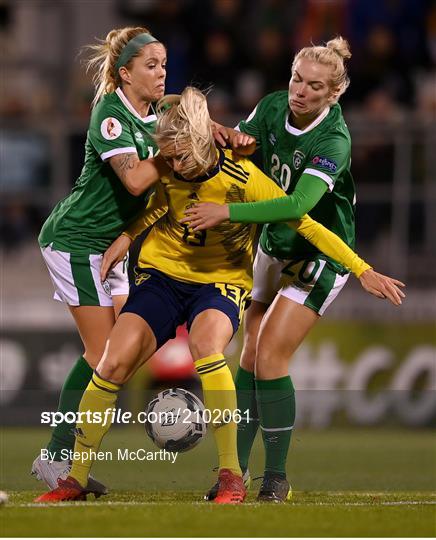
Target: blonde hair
(184, 130)
(103, 57)
(334, 54)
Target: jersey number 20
(284, 180)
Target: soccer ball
(174, 420)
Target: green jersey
(322, 150)
(99, 207)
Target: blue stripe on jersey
(231, 173)
(236, 166)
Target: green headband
(132, 47)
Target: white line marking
(74, 504)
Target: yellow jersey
(222, 254)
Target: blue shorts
(166, 303)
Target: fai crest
(106, 287)
(297, 159)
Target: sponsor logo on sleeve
(111, 128)
(325, 163)
(297, 159)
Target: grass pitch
(355, 482)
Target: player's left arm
(329, 159)
(330, 244)
(261, 188)
(264, 202)
(325, 240)
(306, 195)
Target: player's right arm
(111, 136)
(157, 207)
(242, 143)
(246, 137)
(138, 175)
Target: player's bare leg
(244, 382)
(252, 320)
(131, 343)
(94, 324)
(282, 331)
(246, 393)
(283, 328)
(209, 335)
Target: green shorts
(311, 282)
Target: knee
(93, 355)
(270, 363)
(262, 361)
(113, 369)
(201, 348)
(248, 355)
(248, 363)
(248, 358)
(92, 358)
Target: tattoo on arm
(122, 164)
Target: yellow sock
(220, 394)
(99, 396)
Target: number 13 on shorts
(235, 294)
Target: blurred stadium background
(367, 363)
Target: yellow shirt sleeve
(261, 188)
(157, 207)
(330, 244)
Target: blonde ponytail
(103, 57)
(340, 46)
(184, 130)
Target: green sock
(247, 428)
(276, 403)
(75, 384)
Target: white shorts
(76, 278)
(311, 282)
